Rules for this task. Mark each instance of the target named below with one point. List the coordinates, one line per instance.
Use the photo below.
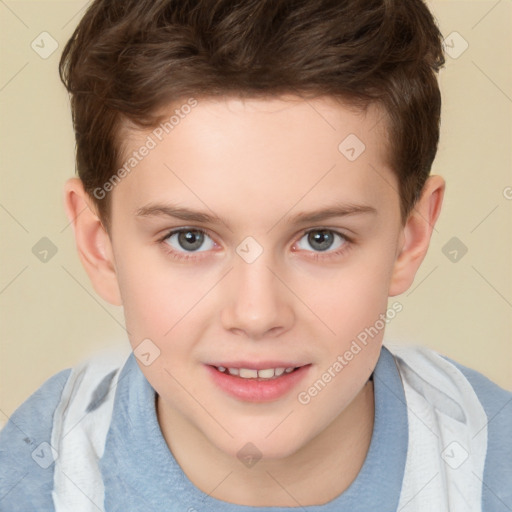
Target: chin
(252, 444)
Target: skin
(254, 164)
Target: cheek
(351, 297)
(350, 302)
(155, 296)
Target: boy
(253, 186)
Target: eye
(322, 240)
(188, 240)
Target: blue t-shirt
(141, 474)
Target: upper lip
(258, 365)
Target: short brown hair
(129, 58)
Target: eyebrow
(170, 210)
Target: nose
(257, 304)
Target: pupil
(193, 238)
(320, 240)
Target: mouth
(263, 384)
(260, 375)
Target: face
(253, 236)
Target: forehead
(259, 155)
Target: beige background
(50, 316)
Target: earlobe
(92, 241)
(416, 234)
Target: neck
(315, 474)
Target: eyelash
(316, 256)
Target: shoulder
(434, 376)
(497, 404)
(496, 401)
(420, 358)
(492, 396)
(26, 467)
(41, 435)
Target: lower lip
(254, 390)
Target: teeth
(266, 374)
(247, 373)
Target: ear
(92, 241)
(415, 235)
